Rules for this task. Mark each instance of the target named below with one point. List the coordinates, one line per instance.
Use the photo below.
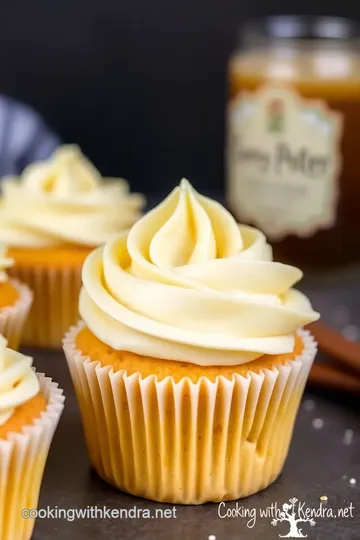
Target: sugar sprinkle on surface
(318, 423)
(323, 498)
(348, 436)
(352, 481)
(309, 405)
(351, 332)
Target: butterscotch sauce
(300, 184)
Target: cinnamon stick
(336, 345)
(327, 376)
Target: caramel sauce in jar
(293, 146)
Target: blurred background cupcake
(15, 302)
(192, 362)
(30, 408)
(51, 217)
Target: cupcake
(15, 303)
(30, 408)
(51, 218)
(191, 359)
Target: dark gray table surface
(319, 462)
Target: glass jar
(293, 145)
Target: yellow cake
(132, 363)
(24, 415)
(30, 408)
(51, 218)
(15, 302)
(9, 294)
(191, 359)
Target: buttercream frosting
(65, 200)
(18, 382)
(188, 283)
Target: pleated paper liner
(185, 442)
(55, 306)
(13, 318)
(22, 461)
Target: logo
(276, 116)
(294, 517)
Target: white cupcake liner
(13, 318)
(186, 442)
(55, 306)
(22, 461)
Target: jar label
(284, 161)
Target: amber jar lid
(296, 27)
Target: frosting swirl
(188, 283)
(5, 263)
(18, 382)
(65, 201)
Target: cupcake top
(189, 283)
(18, 382)
(65, 200)
(5, 263)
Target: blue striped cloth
(24, 137)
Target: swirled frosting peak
(188, 283)
(5, 263)
(65, 200)
(18, 382)
(67, 173)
